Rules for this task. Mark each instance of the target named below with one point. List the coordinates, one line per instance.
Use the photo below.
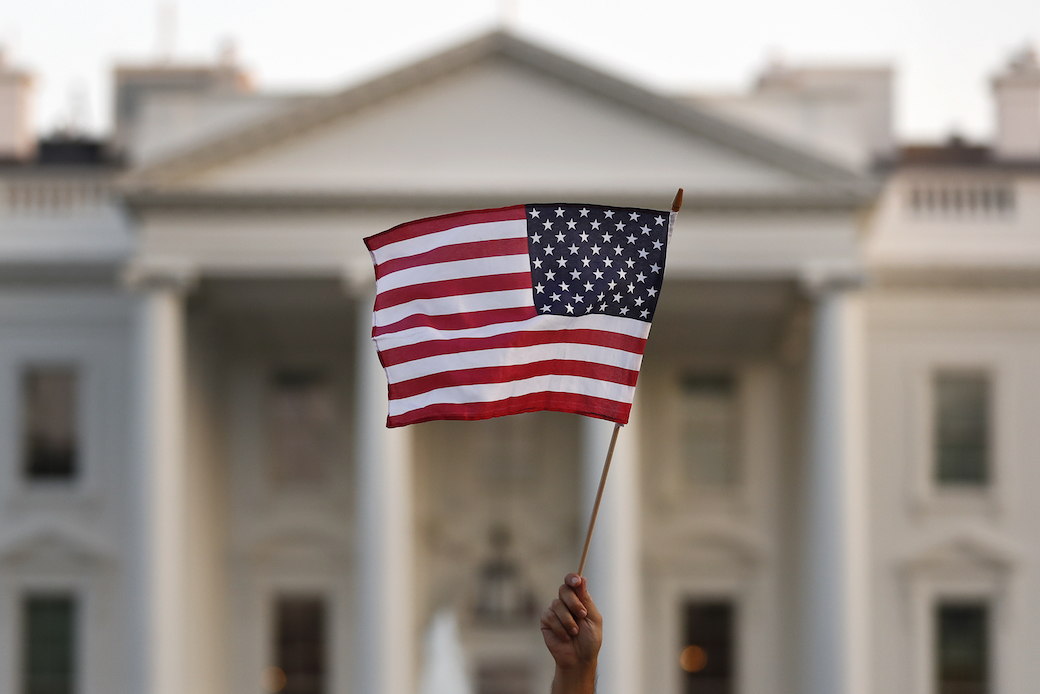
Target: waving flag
(532, 307)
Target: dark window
(49, 645)
(50, 430)
(300, 644)
(504, 678)
(963, 656)
(962, 427)
(301, 427)
(707, 656)
(709, 430)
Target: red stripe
(516, 372)
(432, 348)
(600, 408)
(458, 251)
(431, 225)
(467, 285)
(459, 321)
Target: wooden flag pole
(676, 204)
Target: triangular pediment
(498, 116)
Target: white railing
(961, 200)
(55, 196)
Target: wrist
(579, 677)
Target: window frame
(23, 370)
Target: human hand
(572, 626)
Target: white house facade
(824, 489)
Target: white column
(837, 563)
(158, 626)
(386, 639)
(614, 566)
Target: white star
(579, 299)
(573, 249)
(546, 309)
(618, 249)
(570, 309)
(585, 261)
(621, 275)
(550, 276)
(549, 250)
(588, 286)
(537, 262)
(534, 213)
(623, 310)
(643, 253)
(645, 229)
(617, 297)
(657, 245)
(620, 226)
(651, 291)
(539, 288)
(564, 287)
(588, 309)
(641, 277)
(583, 212)
(659, 220)
(611, 285)
(598, 274)
(571, 224)
(603, 307)
(607, 262)
(655, 268)
(630, 262)
(595, 249)
(595, 224)
(633, 216)
(631, 288)
(606, 238)
(583, 236)
(630, 238)
(609, 214)
(562, 262)
(536, 238)
(559, 211)
(560, 237)
(575, 274)
(599, 298)
(547, 224)
(639, 301)
(644, 313)
(554, 297)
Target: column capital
(819, 278)
(175, 274)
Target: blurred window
(505, 677)
(707, 657)
(50, 432)
(49, 645)
(302, 427)
(709, 430)
(300, 643)
(963, 643)
(962, 427)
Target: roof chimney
(16, 133)
(1017, 92)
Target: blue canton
(591, 259)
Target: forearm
(580, 679)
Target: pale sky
(944, 50)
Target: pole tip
(677, 202)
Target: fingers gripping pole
(599, 497)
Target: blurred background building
(828, 485)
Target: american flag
(532, 307)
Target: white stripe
(467, 233)
(612, 324)
(454, 270)
(460, 303)
(500, 391)
(512, 356)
